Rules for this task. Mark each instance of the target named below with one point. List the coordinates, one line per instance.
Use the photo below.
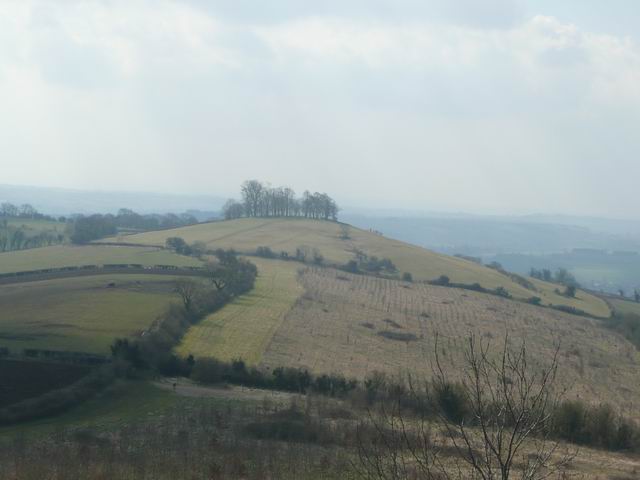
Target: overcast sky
(494, 106)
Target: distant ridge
(66, 201)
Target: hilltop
(339, 243)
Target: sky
(493, 106)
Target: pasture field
(357, 324)
(244, 327)
(625, 306)
(80, 314)
(286, 234)
(67, 256)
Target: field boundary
(93, 270)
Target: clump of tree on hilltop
(260, 200)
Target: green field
(66, 256)
(625, 306)
(80, 314)
(243, 328)
(246, 234)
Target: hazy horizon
(513, 107)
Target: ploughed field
(338, 244)
(83, 314)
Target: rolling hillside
(357, 324)
(245, 235)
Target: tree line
(26, 210)
(17, 238)
(87, 228)
(561, 276)
(261, 200)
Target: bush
(265, 252)
(441, 281)
(407, 277)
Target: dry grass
(247, 234)
(244, 327)
(335, 327)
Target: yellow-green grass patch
(287, 234)
(67, 256)
(625, 306)
(244, 327)
(81, 314)
(583, 301)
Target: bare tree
(252, 196)
(187, 290)
(493, 424)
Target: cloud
(485, 14)
(436, 104)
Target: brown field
(339, 323)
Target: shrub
(265, 252)
(399, 336)
(442, 281)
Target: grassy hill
(245, 235)
(355, 324)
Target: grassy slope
(336, 326)
(124, 403)
(80, 314)
(244, 327)
(66, 255)
(625, 306)
(246, 235)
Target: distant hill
(62, 201)
(246, 235)
(487, 235)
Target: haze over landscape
(337, 240)
(504, 106)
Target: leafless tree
(495, 423)
(187, 290)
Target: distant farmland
(338, 244)
(80, 314)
